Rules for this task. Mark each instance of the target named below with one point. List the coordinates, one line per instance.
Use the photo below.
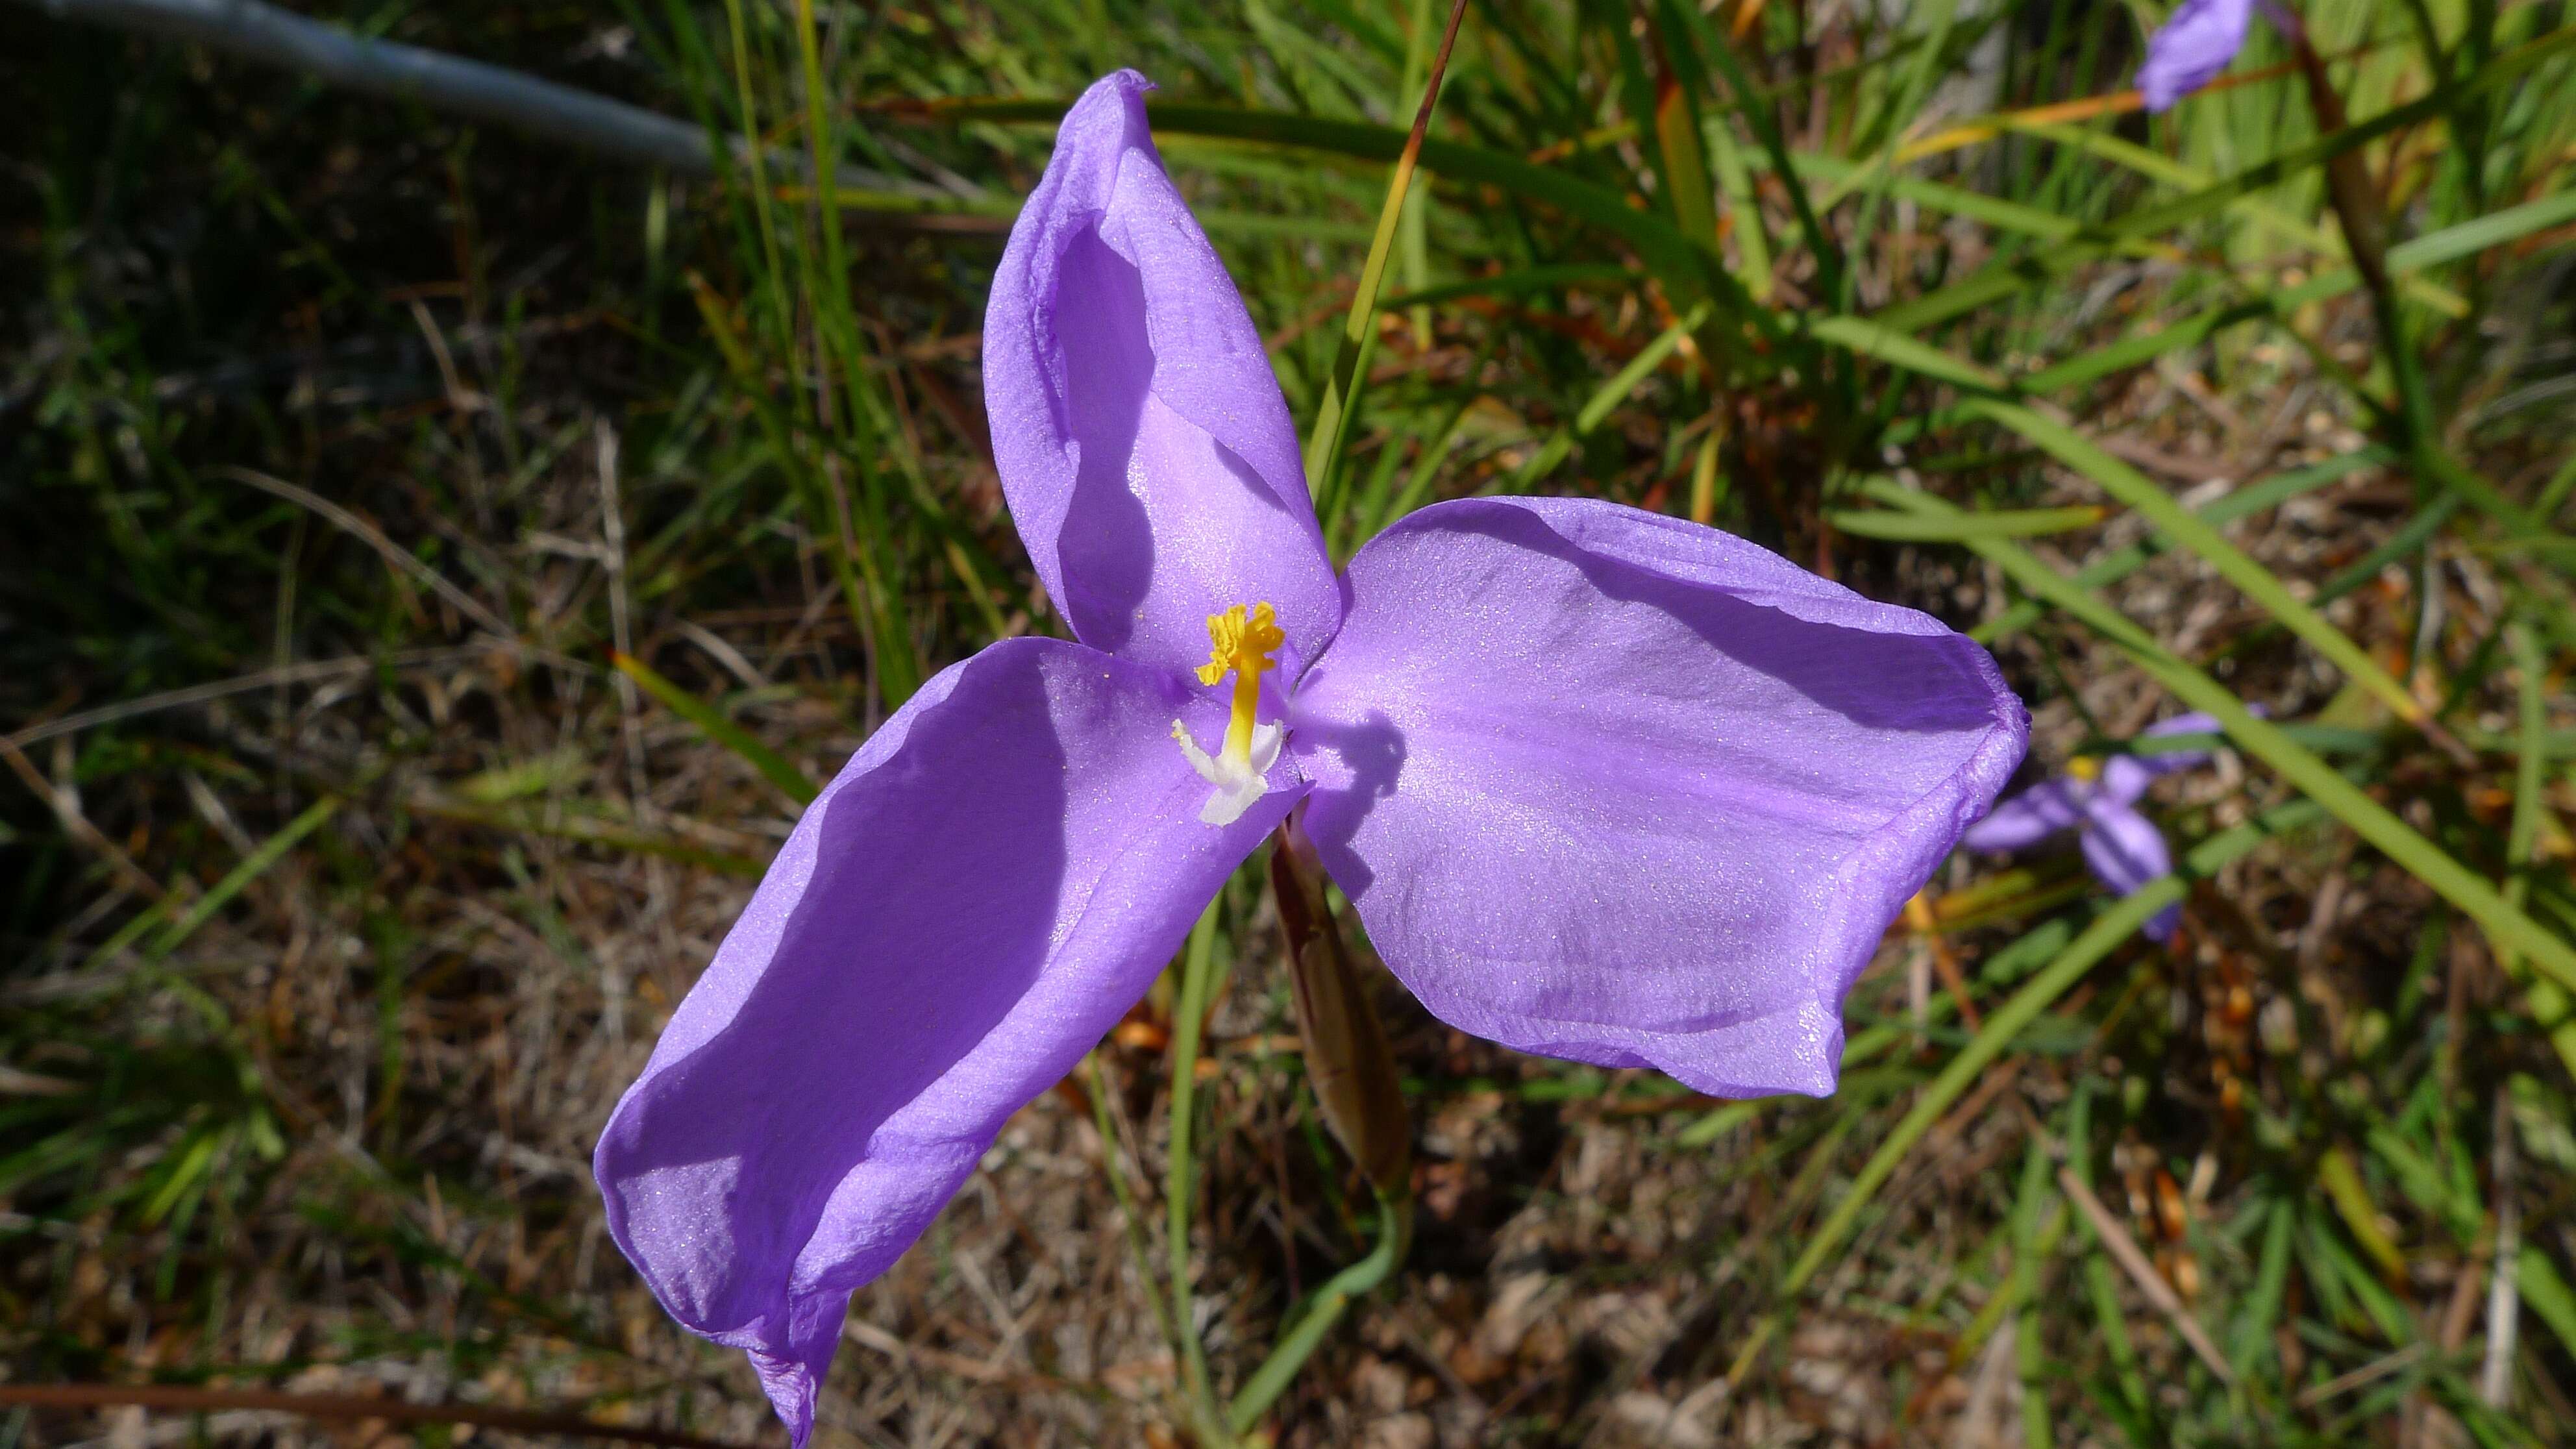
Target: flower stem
(1311, 1320)
(1352, 1071)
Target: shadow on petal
(989, 884)
(1661, 793)
(896, 932)
(1107, 546)
(1356, 762)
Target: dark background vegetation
(343, 882)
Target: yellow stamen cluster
(2085, 767)
(1240, 643)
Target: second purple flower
(2098, 800)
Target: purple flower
(2189, 50)
(2097, 799)
(1601, 784)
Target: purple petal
(2189, 50)
(2126, 851)
(2126, 777)
(991, 881)
(1613, 787)
(2030, 817)
(1140, 433)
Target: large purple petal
(1612, 787)
(989, 883)
(2030, 817)
(2125, 850)
(2189, 50)
(1141, 435)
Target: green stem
(1198, 971)
(1316, 1317)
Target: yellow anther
(1240, 643)
(2085, 767)
(1241, 640)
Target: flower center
(2084, 767)
(1240, 643)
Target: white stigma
(1238, 782)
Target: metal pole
(267, 34)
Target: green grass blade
(2550, 1005)
(2008, 1021)
(2547, 1293)
(238, 879)
(771, 765)
(1513, 283)
(1199, 972)
(1316, 1317)
(1889, 345)
(2506, 926)
(1628, 378)
(1359, 329)
(2135, 489)
(1993, 523)
(1688, 263)
(2468, 238)
(1755, 106)
(2242, 503)
(2008, 276)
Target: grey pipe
(267, 34)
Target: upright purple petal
(2030, 817)
(1616, 788)
(2125, 850)
(2189, 50)
(989, 883)
(1142, 439)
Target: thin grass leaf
(2551, 1007)
(2008, 276)
(2471, 893)
(238, 879)
(1690, 265)
(2242, 503)
(1315, 1317)
(2008, 1021)
(711, 722)
(1513, 283)
(1359, 329)
(2135, 489)
(1597, 409)
(1199, 978)
(2351, 1199)
(1985, 523)
(2541, 1286)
